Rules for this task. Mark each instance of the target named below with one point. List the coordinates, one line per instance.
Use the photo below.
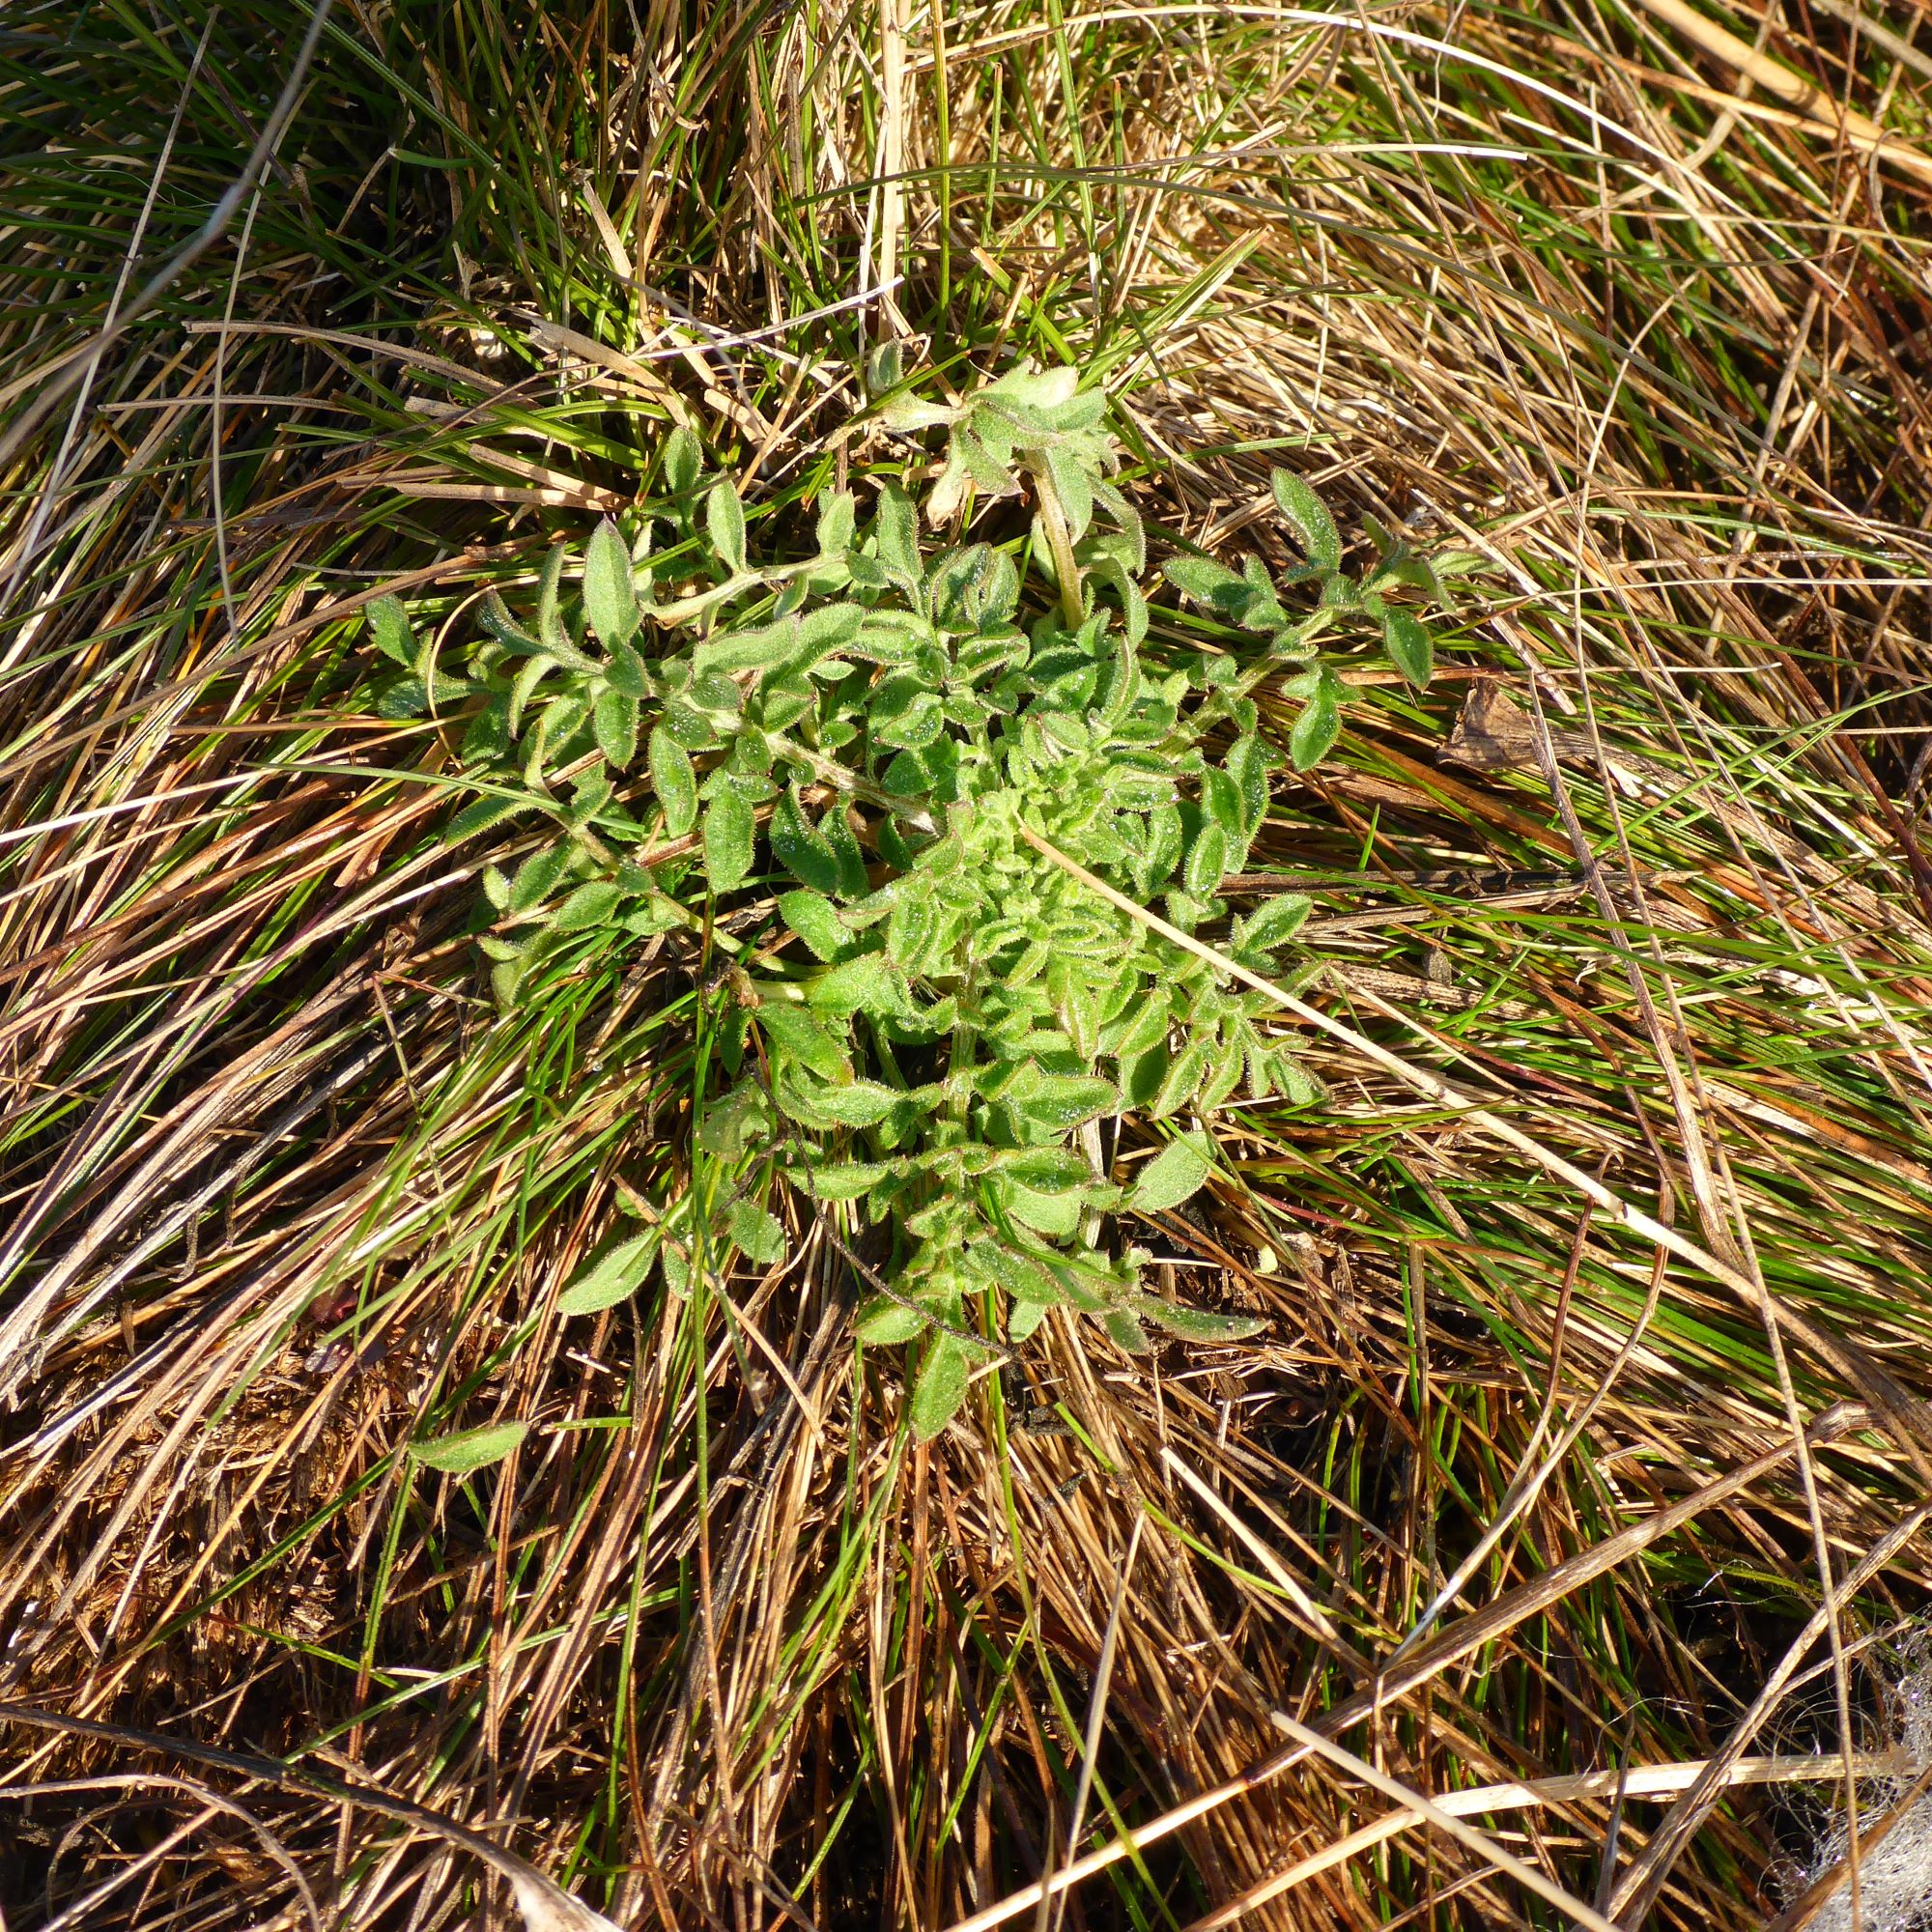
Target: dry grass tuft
(1504, 1493)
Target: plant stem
(1059, 540)
(686, 609)
(836, 775)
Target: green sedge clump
(872, 744)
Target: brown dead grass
(1663, 378)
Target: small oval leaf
(609, 594)
(389, 626)
(613, 1277)
(469, 1449)
(883, 1322)
(1199, 1325)
(1316, 731)
(798, 848)
(941, 1388)
(1174, 1175)
(675, 782)
(758, 1233)
(729, 830)
(860, 1103)
(1409, 646)
(797, 1034)
(614, 718)
(591, 904)
(1272, 924)
(1207, 861)
(724, 525)
(841, 1183)
(1308, 515)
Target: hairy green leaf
(469, 1449)
(1308, 515)
(724, 525)
(1062, 1101)
(859, 1103)
(609, 594)
(845, 1182)
(864, 983)
(1023, 1318)
(1221, 799)
(1183, 1078)
(1108, 496)
(757, 647)
(1248, 767)
(883, 1322)
(1404, 566)
(815, 919)
(614, 1276)
(836, 829)
(803, 1038)
(402, 697)
(1206, 582)
(626, 672)
(1056, 1215)
(1226, 1066)
(1052, 1170)
(683, 461)
(1198, 1324)
(484, 815)
(1019, 1274)
(588, 796)
(591, 904)
(731, 829)
(911, 931)
(736, 1120)
(1172, 1176)
(615, 718)
(389, 627)
(799, 849)
(895, 537)
(838, 521)
(758, 1235)
(552, 637)
(1207, 861)
(1411, 647)
(537, 876)
(1072, 488)
(940, 1390)
(1272, 924)
(673, 780)
(1319, 723)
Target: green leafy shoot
(857, 748)
(467, 1450)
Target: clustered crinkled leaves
(876, 734)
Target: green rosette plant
(872, 752)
